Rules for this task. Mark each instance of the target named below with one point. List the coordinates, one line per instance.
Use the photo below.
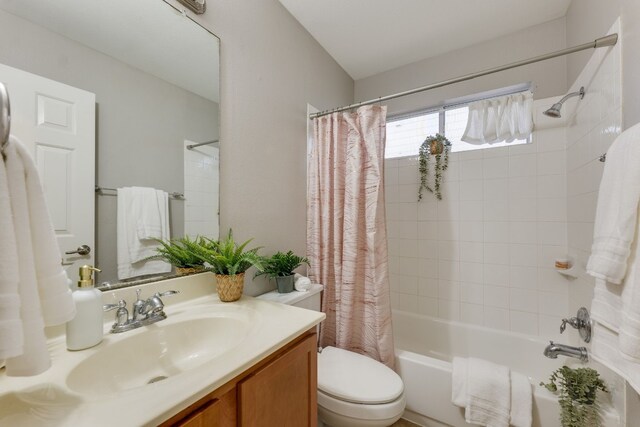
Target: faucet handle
(122, 315)
(121, 304)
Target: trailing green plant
(577, 391)
(281, 264)
(437, 146)
(179, 252)
(227, 257)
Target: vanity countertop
(65, 395)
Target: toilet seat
(352, 377)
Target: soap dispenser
(86, 328)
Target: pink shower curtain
(346, 231)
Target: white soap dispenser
(86, 328)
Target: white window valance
(506, 118)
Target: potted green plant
(180, 254)
(229, 261)
(280, 267)
(577, 390)
(437, 146)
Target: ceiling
(367, 37)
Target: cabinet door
(284, 392)
(220, 412)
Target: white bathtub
(426, 345)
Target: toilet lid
(356, 378)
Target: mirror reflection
(115, 100)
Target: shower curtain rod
(609, 40)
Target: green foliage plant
(227, 257)
(437, 146)
(577, 391)
(179, 252)
(281, 264)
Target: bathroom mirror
(154, 74)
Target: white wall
(590, 19)
(485, 253)
(549, 76)
(201, 190)
(270, 69)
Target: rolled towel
(302, 283)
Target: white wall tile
(524, 323)
(485, 253)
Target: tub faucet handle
(582, 322)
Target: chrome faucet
(144, 312)
(553, 350)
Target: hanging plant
(439, 147)
(577, 390)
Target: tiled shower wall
(594, 124)
(485, 253)
(201, 191)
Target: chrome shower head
(554, 111)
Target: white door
(57, 124)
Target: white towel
(143, 214)
(521, 401)
(301, 283)
(44, 294)
(11, 335)
(615, 259)
(617, 210)
(490, 394)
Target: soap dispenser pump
(86, 328)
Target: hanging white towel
(506, 118)
(491, 394)
(44, 295)
(615, 260)
(143, 215)
(11, 334)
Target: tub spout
(553, 350)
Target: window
(405, 135)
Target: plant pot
(285, 284)
(183, 271)
(229, 287)
(436, 147)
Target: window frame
(459, 103)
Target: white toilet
(353, 390)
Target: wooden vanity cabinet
(280, 390)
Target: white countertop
(47, 400)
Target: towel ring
(5, 117)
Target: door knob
(82, 250)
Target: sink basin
(155, 353)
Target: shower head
(554, 111)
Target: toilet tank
(309, 299)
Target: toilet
(353, 390)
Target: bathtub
(425, 347)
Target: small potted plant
(439, 147)
(229, 261)
(577, 390)
(180, 254)
(280, 267)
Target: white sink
(156, 352)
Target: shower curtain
(346, 231)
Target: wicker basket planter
(229, 287)
(183, 271)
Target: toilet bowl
(357, 391)
(353, 390)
